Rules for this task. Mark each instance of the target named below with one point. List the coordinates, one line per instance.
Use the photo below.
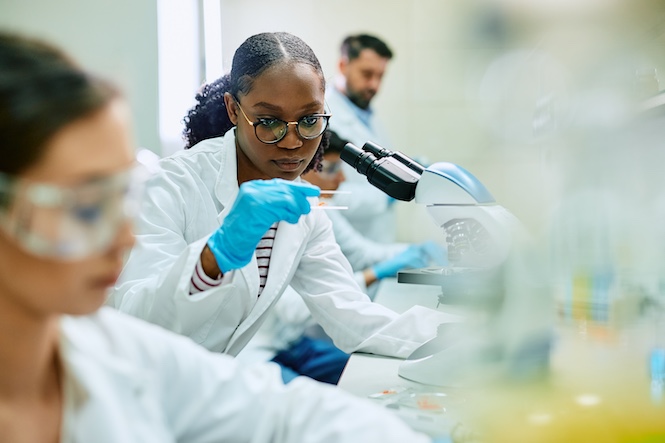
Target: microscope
(480, 235)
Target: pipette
(326, 207)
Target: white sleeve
(324, 279)
(359, 277)
(207, 397)
(222, 401)
(155, 282)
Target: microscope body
(479, 235)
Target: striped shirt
(201, 282)
(263, 253)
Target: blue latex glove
(259, 204)
(415, 256)
(436, 254)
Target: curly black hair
(209, 119)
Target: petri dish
(433, 402)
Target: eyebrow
(275, 108)
(99, 176)
(88, 179)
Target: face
(363, 76)
(94, 147)
(331, 176)
(287, 92)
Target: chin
(290, 176)
(88, 303)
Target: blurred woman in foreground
(73, 372)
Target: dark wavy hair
(353, 45)
(209, 119)
(41, 91)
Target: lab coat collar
(226, 185)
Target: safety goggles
(330, 168)
(69, 223)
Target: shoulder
(111, 339)
(196, 167)
(208, 152)
(109, 331)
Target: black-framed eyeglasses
(272, 130)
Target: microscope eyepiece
(375, 149)
(356, 157)
(392, 172)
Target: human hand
(259, 204)
(435, 253)
(415, 256)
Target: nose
(124, 238)
(291, 140)
(374, 83)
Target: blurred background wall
(423, 99)
(115, 38)
(471, 82)
(446, 95)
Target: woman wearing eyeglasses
(287, 337)
(229, 225)
(71, 372)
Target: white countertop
(375, 377)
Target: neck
(28, 351)
(246, 171)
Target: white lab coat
(369, 210)
(131, 382)
(286, 322)
(289, 319)
(184, 204)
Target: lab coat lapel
(226, 192)
(226, 185)
(290, 240)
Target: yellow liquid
(597, 392)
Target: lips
(288, 164)
(107, 280)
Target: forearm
(370, 276)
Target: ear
(231, 108)
(343, 63)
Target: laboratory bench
(375, 377)
(366, 374)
